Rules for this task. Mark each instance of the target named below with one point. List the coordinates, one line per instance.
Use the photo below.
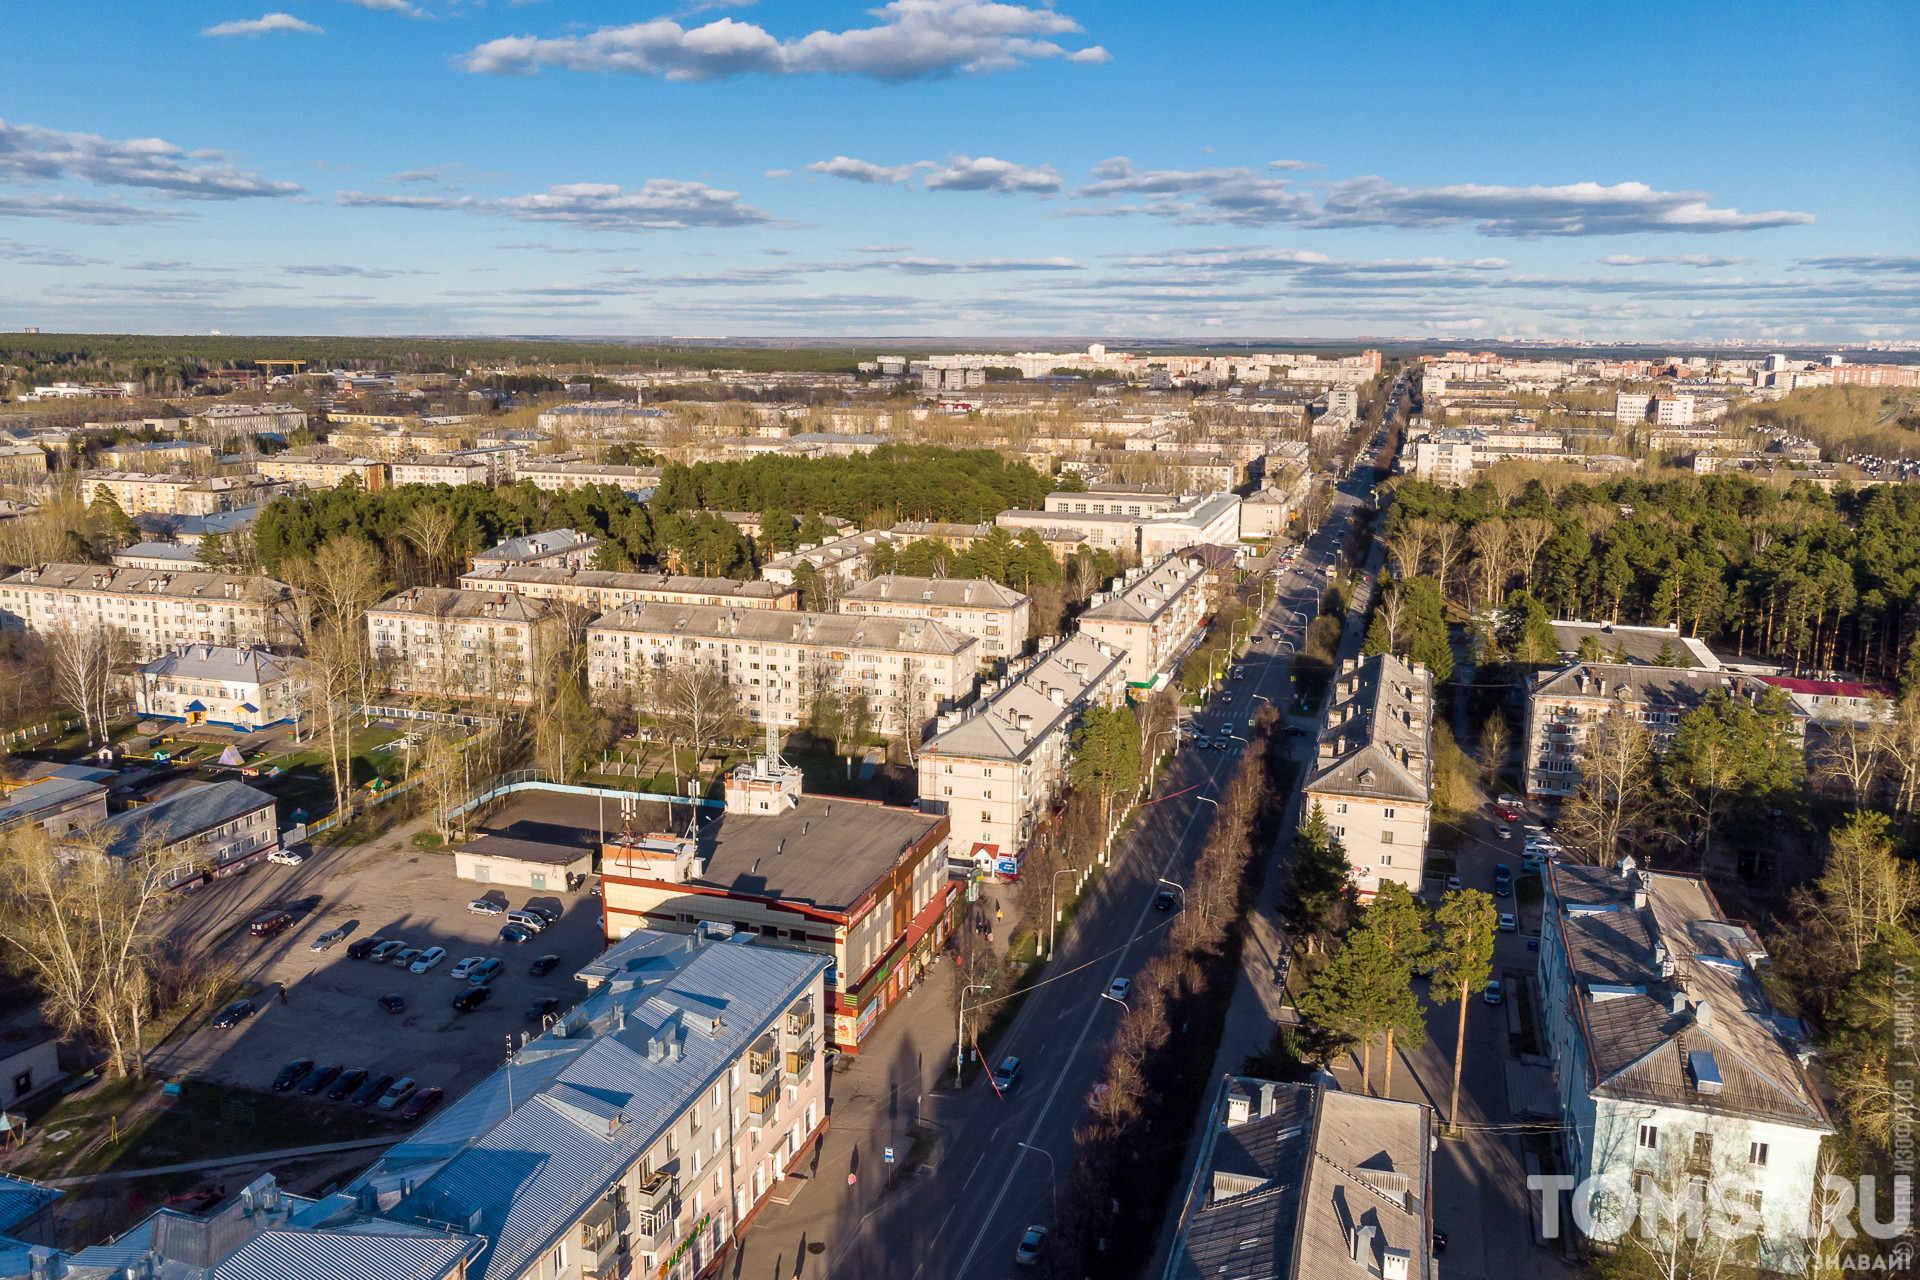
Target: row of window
(1702, 1153)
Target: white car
(1028, 1251)
(1118, 990)
(1504, 831)
(1506, 922)
(465, 968)
(486, 907)
(287, 857)
(429, 958)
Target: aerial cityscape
(981, 640)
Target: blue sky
(958, 167)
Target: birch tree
(1615, 777)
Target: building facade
(994, 615)
(240, 688)
(473, 466)
(157, 611)
(1152, 617)
(553, 549)
(195, 836)
(461, 644)
(323, 467)
(1372, 772)
(603, 590)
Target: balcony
(654, 1211)
(763, 1105)
(800, 1018)
(800, 1057)
(762, 1060)
(599, 1240)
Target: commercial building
(460, 644)
(1305, 1182)
(1153, 616)
(157, 610)
(1372, 771)
(1563, 706)
(1114, 499)
(996, 768)
(554, 549)
(1670, 1061)
(196, 836)
(60, 798)
(603, 590)
(1203, 520)
(469, 466)
(863, 884)
(240, 688)
(1113, 531)
(522, 864)
(994, 615)
(324, 467)
(780, 661)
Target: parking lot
(332, 1009)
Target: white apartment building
(324, 467)
(994, 615)
(1664, 411)
(779, 661)
(552, 549)
(1152, 617)
(1372, 772)
(461, 644)
(470, 466)
(137, 493)
(226, 420)
(638, 482)
(391, 444)
(843, 559)
(996, 768)
(243, 688)
(1114, 531)
(1203, 520)
(1669, 1059)
(157, 611)
(602, 590)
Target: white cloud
(261, 26)
(34, 255)
(29, 153)
(1865, 262)
(400, 7)
(778, 173)
(341, 269)
(660, 204)
(866, 171)
(66, 208)
(1295, 165)
(1670, 259)
(913, 40)
(964, 173)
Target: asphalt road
(966, 1217)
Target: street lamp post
(1053, 1197)
(960, 1031)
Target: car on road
(1118, 988)
(486, 971)
(422, 1102)
(1453, 884)
(404, 958)
(487, 907)
(1507, 815)
(1163, 900)
(515, 933)
(350, 1079)
(287, 857)
(1203, 742)
(544, 965)
(371, 1088)
(1506, 801)
(1493, 994)
(361, 949)
(396, 1093)
(429, 958)
(1507, 924)
(1502, 880)
(1027, 1252)
(393, 1002)
(1006, 1074)
(328, 939)
(1502, 830)
(319, 1080)
(233, 1015)
(470, 999)
(1225, 744)
(292, 1074)
(542, 1007)
(386, 951)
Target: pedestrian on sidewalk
(283, 993)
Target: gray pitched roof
(979, 593)
(788, 626)
(221, 662)
(992, 730)
(180, 817)
(536, 546)
(1651, 688)
(447, 602)
(171, 582)
(1375, 740)
(1148, 596)
(611, 580)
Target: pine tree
(1363, 991)
(1376, 638)
(1464, 946)
(1318, 895)
(1106, 760)
(1666, 657)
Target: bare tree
(327, 681)
(1615, 779)
(1856, 754)
(1407, 545)
(430, 530)
(1491, 539)
(1391, 610)
(1529, 535)
(80, 660)
(1448, 546)
(442, 776)
(698, 704)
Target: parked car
(1027, 1252)
(527, 920)
(233, 1015)
(486, 971)
(287, 857)
(385, 951)
(1506, 801)
(1507, 924)
(1502, 879)
(1492, 994)
(1118, 988)
(544, 965)
(464, 970)
(1006, 1074)
(549, 914)
(1204, 742)
(265, 926)
(370, 1089)
(486, 907)
(542, 1007)
(404, 958)
(1163, 900)
(515, 933)
(470, 999)
(292, 1074)
(429, 958)
(349, 1080)
(396, 1093)
(319, 1080)
(421, 1103)
(393, 1002)
(361, 949)
(1453, 884)
(328, 939)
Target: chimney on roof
(1600, 685)
(1678, 1002)
(1267, 1092)
(1360, 1243)
(1703, 1013)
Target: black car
(234, 1014)
(393, 1002)
(358, 950)
(543, 966)
(320, 1079)
(545, 913)
(292, 1074)
(349, 1080)
(1163, 901)
(542, 1007)
(371, 1089)
(471, 999)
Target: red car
(1507, 815)
(421, 1103)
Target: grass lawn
(306, 779)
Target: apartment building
(145, 455)
(844, 560)
(242, 688)
(639, 1135)
(1372, 772)
(1116, 532)
(189, 531)
(1304, 1182)
(467, 466)
(157, 611)
(1152, 617)
(862, 883)
(139, 493)
(460, 644)
(324, 467)
(195, 836)
(1450, 455)
(602, 590)
(555, 475)
(1115, 499)
(994, 615)
(554, 549)
(166, 557)
(224, 421)
(22, 463)
(1670, 1061)
(780, 661)
(996, 768)
(389, 444)
(1563, 706)
(1265, 512)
